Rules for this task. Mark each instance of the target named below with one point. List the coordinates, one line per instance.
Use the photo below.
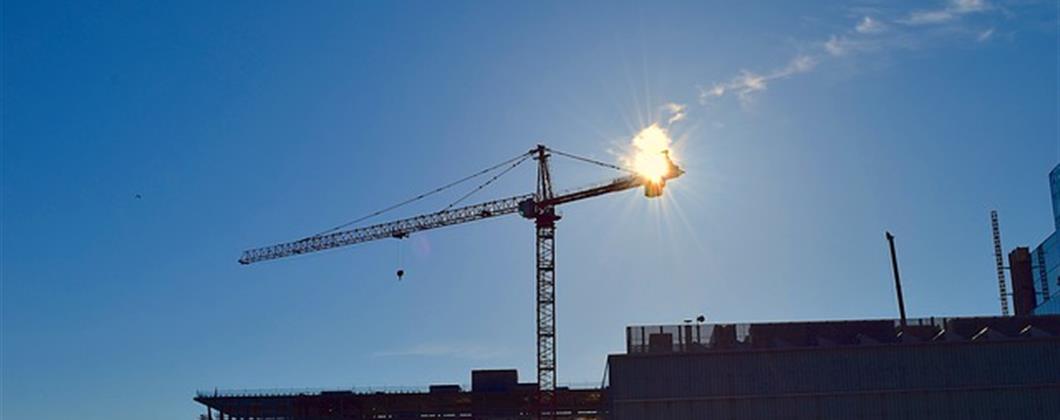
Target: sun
(651, 158)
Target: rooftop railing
(294, 392)
(359, 390)
(696, 337)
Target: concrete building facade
(963, 368)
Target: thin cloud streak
(747, 83)
(953, 10)
(985, 35)
(676, 111)
(868, 25)
(870, 33)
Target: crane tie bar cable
(519, 158)
(488, 182)
(593, 161)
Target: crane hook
(400, 271)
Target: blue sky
(807, 129)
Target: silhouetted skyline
(146, 146)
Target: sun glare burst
(650, 158)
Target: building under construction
(946, 368)
(935, 368)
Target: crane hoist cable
(523, 159)
(592, 161)
(487, 183)
(513, 162)
(519, 158)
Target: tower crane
(540, 207)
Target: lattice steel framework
(1000, 263)
(539, 207)
(396, 229)
(546, 316)
(545, 222)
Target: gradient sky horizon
(807, 129)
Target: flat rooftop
(700, 337)
(493, 393)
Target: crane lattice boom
(395, 229)
(528, 205)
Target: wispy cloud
(676, 111)
(799, 64)
(951, 11)
(448, 350)
(868, 25)
(873, 31)
(985, 35)
(747, 82)
(927, 17)
(837, 45)
(968, 6)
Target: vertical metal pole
(897, 279)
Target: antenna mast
(897, 279)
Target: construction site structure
(540, 207)
(881, 369)
(493, 394)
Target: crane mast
(539, 207)
(545, 218)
